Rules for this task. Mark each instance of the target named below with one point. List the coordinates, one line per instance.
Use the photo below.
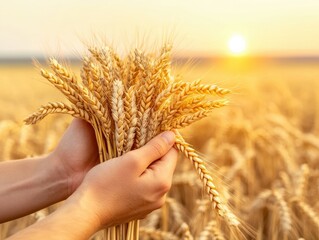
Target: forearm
(69, 222)
(28, 185)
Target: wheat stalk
(284, 213)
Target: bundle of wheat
(128, 101)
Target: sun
(237, 44)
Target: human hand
(76, 153)
(128, 187)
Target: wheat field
(263, 148)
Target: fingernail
(169, 137)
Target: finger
(152, 151)
(157, 179)
(163, 169)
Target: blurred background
(204, 28)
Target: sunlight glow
(237, 44)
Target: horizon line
(178, 58)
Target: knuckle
(163, 187)
(132, 160)
(160, 189)
(155, 196)
(159, 203)
(159, 147)
(150, 198)
(162, 184)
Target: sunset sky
(198, 27)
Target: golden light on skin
(237, 44)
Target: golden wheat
(126, 113)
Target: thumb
(154, 149)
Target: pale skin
(97, 195)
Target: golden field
(263, 149)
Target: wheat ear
(118, 114)
(79, 95)
(86, 73)
(308, 211)
(211, 231)
(284, 214)
(186, 120)
(302, 181)
(184, 232)
(61, 71)
(57, 107)
(163, 64)
(147, 90)
(104, 58)
(73, 96)
(198, 163)
(130, 112)
(170, 109)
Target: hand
(116, 191)
(128, 187)
(76, 153)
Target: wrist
(70, 169)
(58, 175)
(80, 207)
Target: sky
(197, 27)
